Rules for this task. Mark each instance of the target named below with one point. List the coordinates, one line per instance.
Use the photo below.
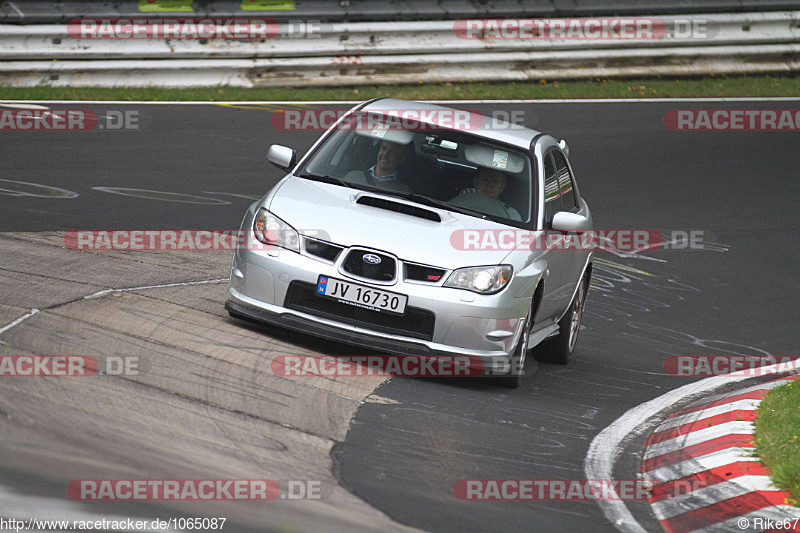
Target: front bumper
(487, 327)
(319, 328)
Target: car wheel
(514, 379)
(559, 349)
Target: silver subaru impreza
(417, 229)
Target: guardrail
(61, 11)
(397, 52)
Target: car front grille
(417, 323)
(416, 272)
(384, 271)
(323, 250)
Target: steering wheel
(472, 199)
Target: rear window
(552, 194)
(569, 199)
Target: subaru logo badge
(372, 259)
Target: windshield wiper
(328, 179)
(433, 202)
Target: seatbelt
(370, 179)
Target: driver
(384, 172)
(390, 157)
(492, 182)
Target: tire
(514, 379)
(559, 349)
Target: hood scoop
(399, 207)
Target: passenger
(492, 183)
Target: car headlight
(270, 229)
(483, 280)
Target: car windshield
(450, 169)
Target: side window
(552, 198)
(568, 197)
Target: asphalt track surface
(403, 456)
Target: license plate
(361, 296)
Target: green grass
(777, 437)
(709, 86)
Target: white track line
(106, 291)
(129, 289)
(607, 446)
(17, 321)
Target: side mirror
(564, 221)
(564, 147)
(282, 156)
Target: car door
(559, 280)
(570, 202)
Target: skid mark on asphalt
(458, 448)
(570, 421)
(670, 337)
(159, 351)
(616, 384)
(192, 406)
(618, 291)
(149, 194)
(23, 189)
(706, 246)
(235, 195)
(510, 416)
(227, 382)
(34, 190)
(188, 327)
